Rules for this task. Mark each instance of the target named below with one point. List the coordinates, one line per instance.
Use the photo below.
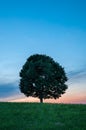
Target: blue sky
(53, 27)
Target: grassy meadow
(36, 116)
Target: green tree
(42, 77)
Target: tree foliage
(42, 77)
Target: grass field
(36, 116)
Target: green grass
(36, 116)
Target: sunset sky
(53, 27)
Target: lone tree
(42, 77)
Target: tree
(42, 77)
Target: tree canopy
(42, 77)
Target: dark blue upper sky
(54, 27)
(62, 12)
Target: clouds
(78, 75)
(8, 90)
(8, 72)
(77, 86)
(76, 92)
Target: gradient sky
(53, 27)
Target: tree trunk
(41, 95)
(41, 100)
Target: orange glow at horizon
(60, 100)
(66, 98)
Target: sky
(53, 27)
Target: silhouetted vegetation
(42, 77)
